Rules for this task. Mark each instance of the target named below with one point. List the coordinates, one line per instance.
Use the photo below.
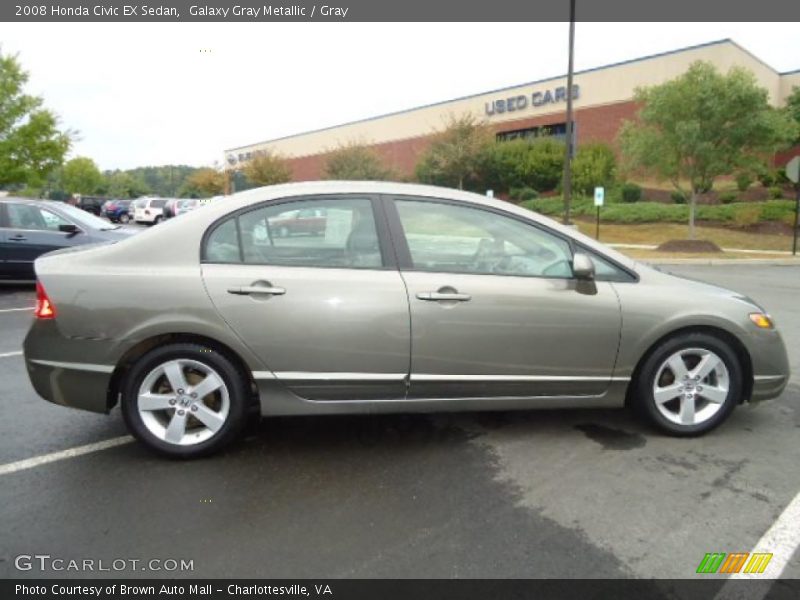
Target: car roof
(18, 200)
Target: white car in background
(149, 210)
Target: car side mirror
(582, 267)
(69, 228)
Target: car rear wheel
(185, 400)
(157, 220)
(690, 384)
(123, 218)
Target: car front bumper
(770, 364)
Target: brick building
(603, 98)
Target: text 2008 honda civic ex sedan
(403, 298)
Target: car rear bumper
(67, 371)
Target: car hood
(696, 286)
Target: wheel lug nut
(172, 401)
(699, 389)
(193, 394)
(194, 408)
(180, 391)
(181, 412)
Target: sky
(182, 93)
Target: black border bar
(398, 10)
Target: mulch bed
(688, 246)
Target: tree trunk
(692, 204)
(460, 182)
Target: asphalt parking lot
(590, 494)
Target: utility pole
(569, 150)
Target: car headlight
(762, 320)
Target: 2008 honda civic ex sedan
(406, 298)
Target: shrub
(774, 210)
(678, 197)
(631, 192)
(775, 192)
(594, 165)
(727, 197)
(523, 193)
(743, 181)
(524, 163)
(788, 218)
(746, 214)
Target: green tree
(522, 163)
(81, 176)
(31, 145)
(702, 125)
(356, 161)
(793, 109)
(457, 154)
(594, 165)
(123, 184)
(204, 182)
(266, 168)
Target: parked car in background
(300, 222)
(170, 208)
(91, 204)
(29, 228)
(117, 211)
(186, 205)
(415, 299)
(149, 210)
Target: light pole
(568, 151)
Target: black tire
(123, 219)
(234, 380)
(643, 388)
(157, 220)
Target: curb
(715, 262)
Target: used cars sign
(536, 99)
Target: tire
(177, 424)
(665, 393)
(123, 218)
(157, 220)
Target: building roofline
(509, 87)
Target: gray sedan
(408, 298)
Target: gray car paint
(118, 300)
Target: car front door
(495, 310)
(33, 230)
(328, 314)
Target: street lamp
(569, 150)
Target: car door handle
(436, 296)
(257, 289)
(17, 238)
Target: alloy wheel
(691, 386)
(183, 402)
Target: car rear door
(328, 313)
(495, 311)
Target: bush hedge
(741, 213)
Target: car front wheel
(123, 218)
(690, 384)
(185, 400)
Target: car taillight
(44, 308)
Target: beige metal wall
(598, 87)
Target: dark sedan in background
(29, 228)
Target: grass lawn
(656, 233)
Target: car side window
(27, 216)
(453, 238)
(307, 233)
(312, 233)
(222, 246)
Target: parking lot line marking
(2, 310)
(782, 541)
(44, 459)
(8, 354)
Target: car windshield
(85, 218)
